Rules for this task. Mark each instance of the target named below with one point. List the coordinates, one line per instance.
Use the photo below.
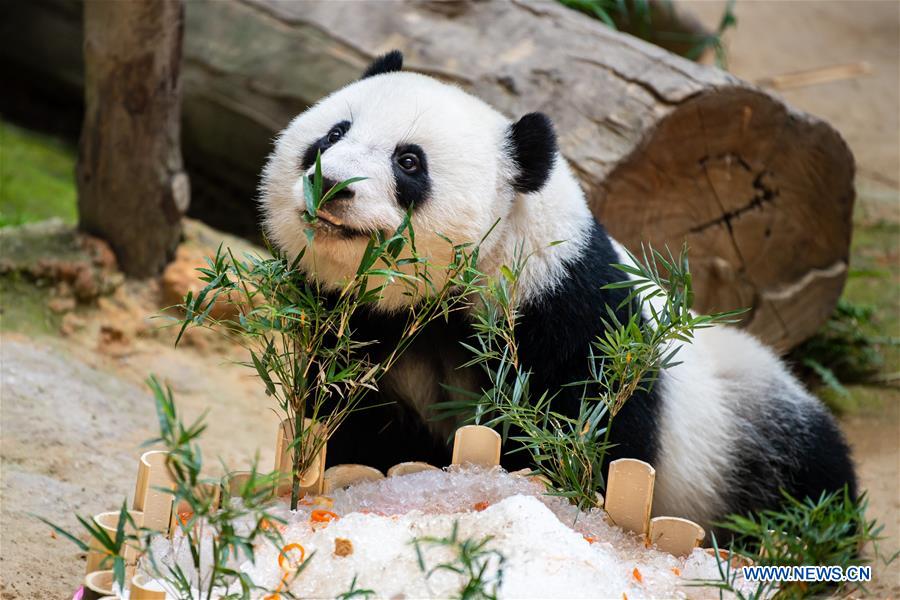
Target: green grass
(37, 177)
(860, 346)
(875, 280)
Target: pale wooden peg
(97, 585)
(408, 468)
(144, 588)
(109, 521)
(312, 480)
(629, 494)
(476, 445)
(675, 535)
(150, 496)
(341, 476)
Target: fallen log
(669, 151)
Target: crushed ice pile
(550, 549)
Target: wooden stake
(143, 588)
(341, 476)
(815, 76)
(149, 492)
(476, 445)
(312, 481)
(629, 494)
(408, 468)
(108, 521)
(97, 585)
(675, 536)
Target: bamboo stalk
(408, 468)
(312, 480)
(97, 585)
(629, 494)
(144, 588)
(150, 495)
(476, 445)
(109, 521)
(675, 536)
(341, 476)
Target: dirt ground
(75, 408)
(774, 38)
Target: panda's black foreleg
(382, 436)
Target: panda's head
(424, 147)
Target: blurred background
(765, 134)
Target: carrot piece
(480, 506)
(283, 555)
(637, 575)
(677, 571)
(185, 516)
(589, 539)
(322, 516)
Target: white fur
(464, 140)
(725, 376)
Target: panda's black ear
(389, 63)
(532, 144)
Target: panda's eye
(335, 135)
(409, 162)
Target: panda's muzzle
(329, 184)
(330, 214)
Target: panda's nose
(329, 184)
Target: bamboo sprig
(570, 451)
(300, 336)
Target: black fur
(532, 145)
(803, 453)
(389, 63)
(412, 189)
(388, 431)
(554, 334)
(322, 144)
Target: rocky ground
(75, 407)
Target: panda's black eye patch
(411, 175)
(334, 135)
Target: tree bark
(668, 151)
(132, 189)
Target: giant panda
(726, 429)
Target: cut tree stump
(668, 151)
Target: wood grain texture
(668, 151)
